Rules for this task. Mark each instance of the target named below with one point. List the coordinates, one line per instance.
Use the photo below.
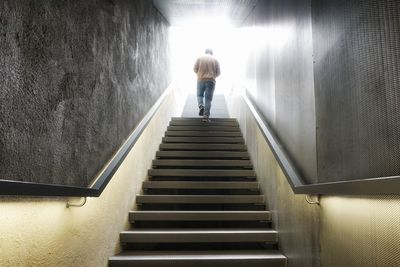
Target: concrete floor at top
(218, 107)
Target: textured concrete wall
(357, 77)
(43, 232)
(76, 77)
(296, 221)
(280, 72)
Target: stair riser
(207, 140)
(200, 216)
(193, 199)
(200, 263)
(204, 129)
(203, 134)
(197, 119)
(203, 179)
(203, 147)
(182, 247)
(210, 155)
(200, 224)
(203, 237)
(229, 164)
(200, 185)
(200, 123)
(185, 156)
(207, 167)
(191, 207)
(201, 192)
(201, 173)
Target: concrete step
(199, 216)
(198, 122)
(204, 258)
(219, 140)
(199, 185)
(198, 236)
(203, 154)
(203, 133)
(204, 128)
(199, 118)
(202, 147)
(201, 173)
(200, 199)
(201, 204)
(202, 163)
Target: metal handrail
(19, 188)
(368, 186)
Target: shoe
(205, 119)
(201, 110)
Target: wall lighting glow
(360, 231)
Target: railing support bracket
(71, 205)
(312, 199)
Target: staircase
(202, 205)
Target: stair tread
(197, 119)
(204, 139)
(203, 154)
(199, 185)
(204, 146)
(204, 128)
(203, 134)
(211, 254)
(205, 124)
(200, 258)
(199, 231)
(209, 199)
(202, 162)
(200, 215)
(201, 212)
(199, 235)
(201, 172)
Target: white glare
(188, 43)
(231, 47)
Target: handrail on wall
(18, 188)
(369, 186)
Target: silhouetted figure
(207, 69)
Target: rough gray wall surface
(357, 78)
(283, 74)
(76, 78)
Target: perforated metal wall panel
(357, 79)
(283, 74)
(360, 231)
(343, 231)
(296, 221)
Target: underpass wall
(44, 232)
(76, 78)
